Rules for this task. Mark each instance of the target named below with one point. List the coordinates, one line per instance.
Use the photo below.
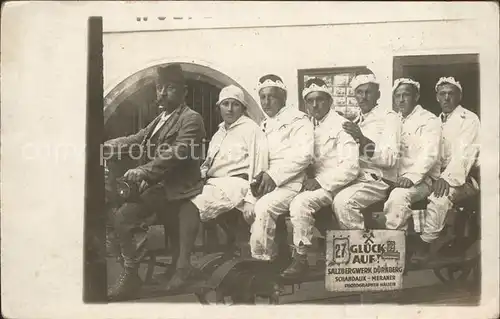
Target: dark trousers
(132, 220)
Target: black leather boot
(127, 286)
(297, 268)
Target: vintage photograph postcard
(335, 157)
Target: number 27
(340, 250)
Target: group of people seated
(296, 163)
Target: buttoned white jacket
(290, 137)
(459, 145)
(240, 149)
(420, 146)
(336, 154)
(383, 127)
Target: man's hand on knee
(135, 175)
(311, 184)
(441, 188)
(267, 184)
(255, 184)
(248, 213)
(143, 186)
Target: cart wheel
(241, 299)
(255, 287)
(232, 290)
(453, 274)
(213, 297)
(209, 263)
(243, 292)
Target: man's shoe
(297, 268)
(127, 285)
(180, 278)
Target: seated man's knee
(347, 211)
(397, 198)
(206, 216)
(440, 203)
(341, 202)
(261, 207)
(125, 215)
(394, 213)
(298, 205)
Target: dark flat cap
(171, 73)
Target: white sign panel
(365, 260)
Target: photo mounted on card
(216, 189)
(178, 220)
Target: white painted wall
(173, 15)
(245, 54)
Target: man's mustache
(159, 99)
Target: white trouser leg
(438, 207)
(302, 209)
(349, 202)
(267, 209)
(219, 196)
(397, 208)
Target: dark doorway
(202, 97)
(427, 69)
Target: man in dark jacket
(169, 175)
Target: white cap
(313, 87)
(448, 80)
(363, 79)
(269, 82)
(232, 92)
(400, 81)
